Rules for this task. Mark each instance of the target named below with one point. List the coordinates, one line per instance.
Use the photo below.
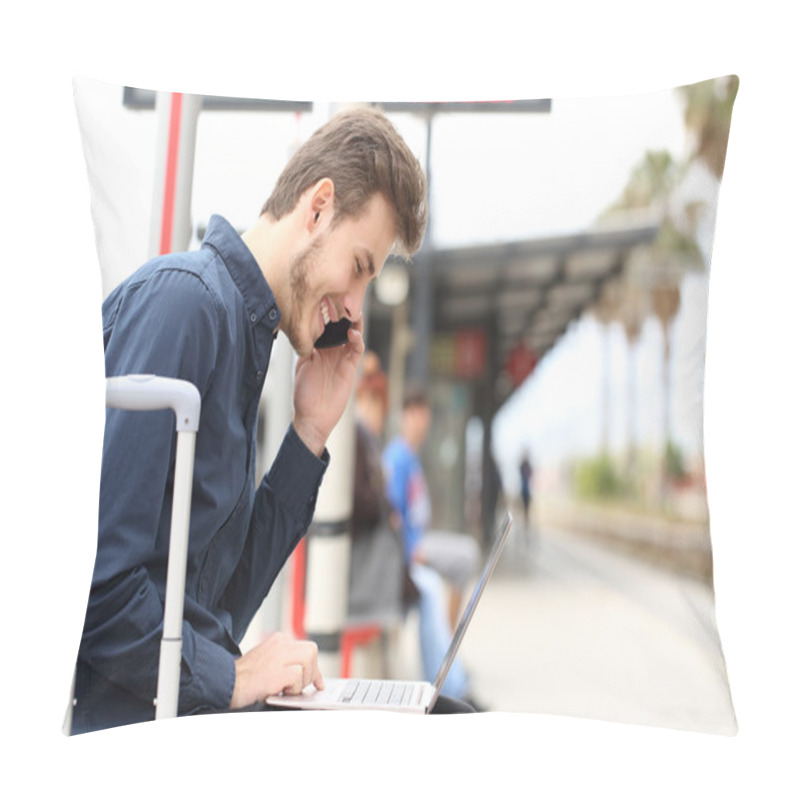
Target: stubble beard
(299, 290)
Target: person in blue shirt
(351, 194)
(437, 561)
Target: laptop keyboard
(384, 693)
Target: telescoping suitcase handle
(152, 393)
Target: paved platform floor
(569, 628)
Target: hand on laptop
(280, 663)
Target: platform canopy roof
(513, 301)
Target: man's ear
(321, 203)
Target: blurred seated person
(437, 561)
(380, 588)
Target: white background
(53, 395)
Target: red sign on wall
(470, 353)
(520, 363)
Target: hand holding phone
(324, 382)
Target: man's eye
(359, 268)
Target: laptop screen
(469, 609)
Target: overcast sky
(494, 177)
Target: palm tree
(666, 299)
(654, 283)
(632, 313)
(606, 310)
(653, 187)
(707, 113)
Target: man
(526, 488)
(433, 558)
(350, 195)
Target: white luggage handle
(152, 393)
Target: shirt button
(272, 314)
(252, 318)
(259, 375)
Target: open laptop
(397, 695)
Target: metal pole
(328, 549)
(489, 407)
(170, 221)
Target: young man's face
(329, 278)
(416, 424)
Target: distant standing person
(526, 487)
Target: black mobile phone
(335, 334)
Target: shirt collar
(243, 268)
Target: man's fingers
(302, 659)
(356, 341)
(291, 679)
(319, 681)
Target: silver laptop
(389, 695)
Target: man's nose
(353, 303)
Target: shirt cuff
(214, 676)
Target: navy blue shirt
(208, 317)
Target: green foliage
(681, 247)
(673, 458)
(598, 478)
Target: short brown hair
(373, 381)
(362, 153)
(415, 396)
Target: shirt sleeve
(283, 510)
(165, 325)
